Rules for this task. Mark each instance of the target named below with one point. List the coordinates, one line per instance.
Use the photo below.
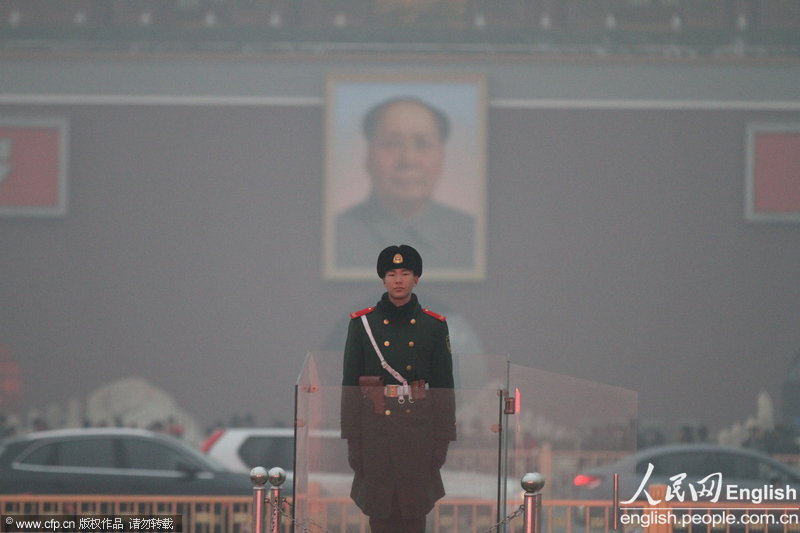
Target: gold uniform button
(408, 411)
(387, 412)
(411, 344)
(386, 321)
(413, 320)
(386, 343)
(409, 367)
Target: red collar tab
(364, 311)
(434, 315)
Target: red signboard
(773, 185)
(33, 167)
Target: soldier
(398, 406)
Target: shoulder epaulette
(437, 316)
(364, 311)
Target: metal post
(532, 483)
(258, 476)
(276, 478)
(616, 502)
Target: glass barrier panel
(361, 448)
(566, 428)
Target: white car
(241, 449)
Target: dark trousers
(397, 523)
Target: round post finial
(277, 476)
(532, 482)
(258, 476)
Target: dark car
(695, 472)
(111, 461)
(740, 467)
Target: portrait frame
(772, 188)
(461, 188)
(34, 160)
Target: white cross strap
(384, 364)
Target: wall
(191, 252)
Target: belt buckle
(391, 391)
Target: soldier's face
(400, 283)
(406, 154)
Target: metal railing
(209, 514)
(234, 514)
(531, 508)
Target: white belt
(395, 374)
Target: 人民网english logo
(711, 488)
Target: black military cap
(403, 256)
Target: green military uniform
(414, 341)
(396, 445)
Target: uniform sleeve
(352, 366)
(442, 392)
(442, 368)
(353, 361)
